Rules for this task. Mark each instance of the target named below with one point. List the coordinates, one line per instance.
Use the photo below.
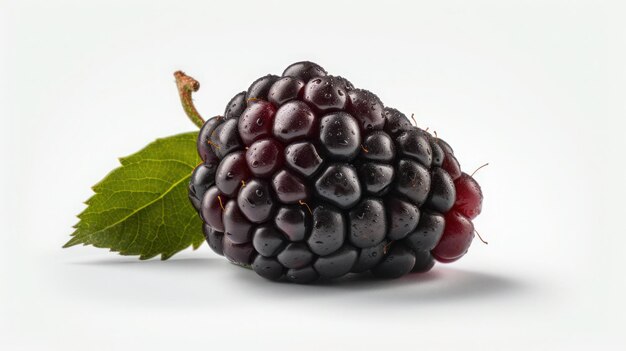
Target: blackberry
(306, 177)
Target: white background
(536, 88)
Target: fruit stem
(477, 169)
(480, 237)
(187, 85)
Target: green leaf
(141, 208)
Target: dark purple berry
(339, 185)
(241, 254)
(212, 207)
(396, 122)
(438, 153)
(295, 255)
(225, 138)
(255, 201)
(336, 264)
(378, 146)
(256, 122)
(204, 139)
(307, 177)
(304, 71)
(294, 120)
(285, 89)
(214, 239)
(414, 144)
(442, 191)
(376, 177)
(367, 108)
(231, 172)
(265, 157)
(325, 94)
(424, 262)
(267, 241)
(368, 223)
(202, 178)
(328, 232)
(403, 218)
(235, 106)
(289, 188)
(445, 146)
(340, 136)
(303, 158)
(260, 88)
(303, 275)
(396, 263)
(427, 233)
(268, 268)
(412, 181)
(237, 228)
(369, 258)
(346, 84)
(293, 222)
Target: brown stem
(187, 85)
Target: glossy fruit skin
(340, 136)
(303, 158)
(205, 151)
(337, 264)
(264, 157)
(255, 201)
(456, 239)
(294, 121)
(225, 138)
(469, 199)
(304, 70)
(367, 108)
(325, 94)
(260, 88)
(367, 223)
(256, 122)
(285, 89)
(307, 178)
(235, 106)
(268, 241)
(328, 232)
(398, 261)
(339, 185)
(214, 238)
(427, 233)
(202, 178)
(231, 172)
(289, 188)
(293, 222)
(268, 268)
